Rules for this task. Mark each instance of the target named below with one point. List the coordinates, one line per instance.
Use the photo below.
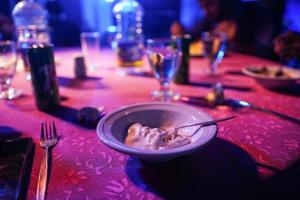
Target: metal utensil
(207, 123)
(48, 139)
(235, 103)
(216, 97)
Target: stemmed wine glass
(164, 55)
(214, 45)
(8, 61)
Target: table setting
(79, 150)
(142, 100)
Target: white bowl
(273, 82)
(112, 129)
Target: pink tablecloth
(255, 151)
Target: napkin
(16, 158)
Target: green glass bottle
(43, 76)
(182, 75)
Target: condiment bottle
(43, 76)
(79, 67)
(182, 75)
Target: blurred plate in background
(273, 77)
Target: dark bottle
(182, 75)
(43, 76)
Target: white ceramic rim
(248, 72)
(210, 133)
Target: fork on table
(48, 139)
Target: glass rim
(161, 39)
(184, 36)
(7, 42)
(212, 34)
(89, 34)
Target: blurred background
(259, 21)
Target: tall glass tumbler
(214, 46)
(8, 61)
(90, 46)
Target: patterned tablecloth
(256, 154)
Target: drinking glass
(214, 45)
(164, 55)
(8, 61)
(90, 46)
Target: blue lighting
(112, 29)
(96, 15)
(220, 56)
(291, 19)
(190, 12)
(27, 35)
(243, 103)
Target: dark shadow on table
(21, 97)
(292, 91)
(26, 103)
(86, 83)
(235, 72)
(63, 98)
(69, 114)
(8, 133)
(225, 86)
(284, 185)
(219, 171)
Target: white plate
(112, 129)
(270, 80)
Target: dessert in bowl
(113, 130)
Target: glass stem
(164, 86)
(164, 89)
(213, 64)
(4, 87)
(5, 84)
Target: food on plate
(271, 72)
(144, 137)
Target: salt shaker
(79, 67)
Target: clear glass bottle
(129, 40)
(30, 19)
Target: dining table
(256, 155)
